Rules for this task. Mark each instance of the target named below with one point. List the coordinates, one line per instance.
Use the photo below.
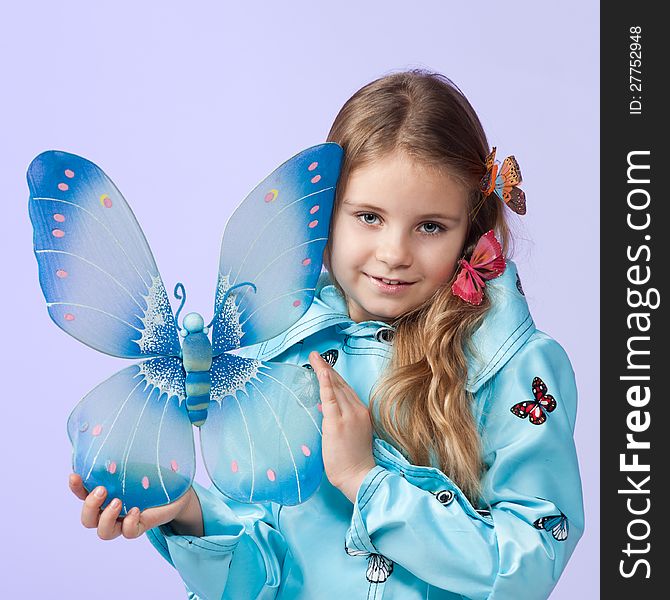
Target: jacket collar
(506, 327)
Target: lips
(391, 280)
(388, 285)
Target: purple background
(187, 107)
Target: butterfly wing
(96, 270)
(540, 390)
(487, 257)
(330, 356)
(275, 241)
(510, 172)
(132, 434)
(536, 414)
(539, 387)
(560, 529)
(379, 568)
(488, 181)
(262, 438)
(523, 409)
(491, 159)
(468, 288)
(506, 186)
(516, 200)
(557, 524)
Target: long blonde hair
(420, 404)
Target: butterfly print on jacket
(536, 410)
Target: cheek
(346, 249)
(444, 274)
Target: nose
(394, 250)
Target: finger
(77, 486)
(90, 511)
(153, 517)
(131, 527)
(108, 526)
(347, 397)
(340, 382)
(318, 363)
(329, 401)
(158, 515)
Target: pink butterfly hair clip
(487, 262)
(503, 182)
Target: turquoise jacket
(411, 533)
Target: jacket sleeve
(240, 555)
(517, 548)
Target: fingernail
(134, 511)
(116, 503)
(100, 492)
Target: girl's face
(401, 222)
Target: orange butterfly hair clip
(503, 182)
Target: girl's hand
(184, 514)
(347, 430)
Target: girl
(469, 486)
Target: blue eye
(432, 228)
(367, 218)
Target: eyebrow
(380, 210)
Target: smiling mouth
(390, 282)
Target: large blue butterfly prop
(259, 421)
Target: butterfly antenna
(477, 208)
(225, 297)
(179, 289)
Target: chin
(382, 314)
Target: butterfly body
(258, 422)
(197, 359)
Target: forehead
(398, 184)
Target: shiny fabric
(411, 534)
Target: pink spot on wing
(313, 224)
(316, 179)
(97, 430)
(111, 467)
(59, 233)
(68, 317)
(69, 173)
(271, 475)
(313, 166)
(306, 262)
(305, 450)
(58, 217)
(174, 466)
(296, 303)
(271, 195)
(234, 467)
(314, 209)
(145, 482)
(320, 407)
(63, 187)
(106, 201)
(61, 273)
